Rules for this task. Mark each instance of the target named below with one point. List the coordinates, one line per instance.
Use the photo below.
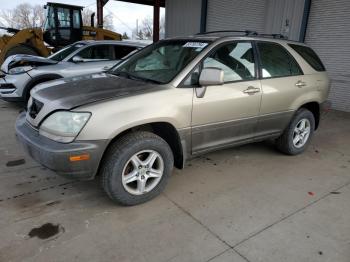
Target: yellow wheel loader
(63, 26)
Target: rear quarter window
(310, 56)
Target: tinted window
(276, 61)
(310, 56)
(100, 52)
(235, 59)
(121, 51)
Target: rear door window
(121, 51)
(275, 61)
(310, 56)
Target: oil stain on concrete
(15, 163)
(46, 231)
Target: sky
(124, 14)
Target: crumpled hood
(25, 60)
(68, 93)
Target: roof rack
(246, 32)
(277, 36)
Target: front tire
(136, 168)
(297, 135)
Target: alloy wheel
(301, 133)
(142, 172)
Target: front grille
(35, 108)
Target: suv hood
(25, 60)
(69, 93)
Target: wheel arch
(314, 108)
(164, 130)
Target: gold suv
(172, 101)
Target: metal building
(323, 24)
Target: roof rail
(246, 32)
(277, 36)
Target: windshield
(160, 62)
(63, 53)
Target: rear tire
(297, 136)
(136, 168)
(21, 49)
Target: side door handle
(251, 90)
(300, 84)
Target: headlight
(64, 126)
(20, 70)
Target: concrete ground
(245, 204)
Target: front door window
(235, 59)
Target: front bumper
(12, 87)
(56, 156)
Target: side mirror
(211, 76)
(77, 59)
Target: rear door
(282, 83)
(227, 114)
(121, 51)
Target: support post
(100, 4)
(307, 7)
(156, 16)
(204, 11)
(99, 13)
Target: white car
(20, 73)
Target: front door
(96, 58)
(227, 114)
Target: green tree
(125, 36)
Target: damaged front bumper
(12, 87)
(58, 156)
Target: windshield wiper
(122, 74)
(135, 77)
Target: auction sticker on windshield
(195, 45)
